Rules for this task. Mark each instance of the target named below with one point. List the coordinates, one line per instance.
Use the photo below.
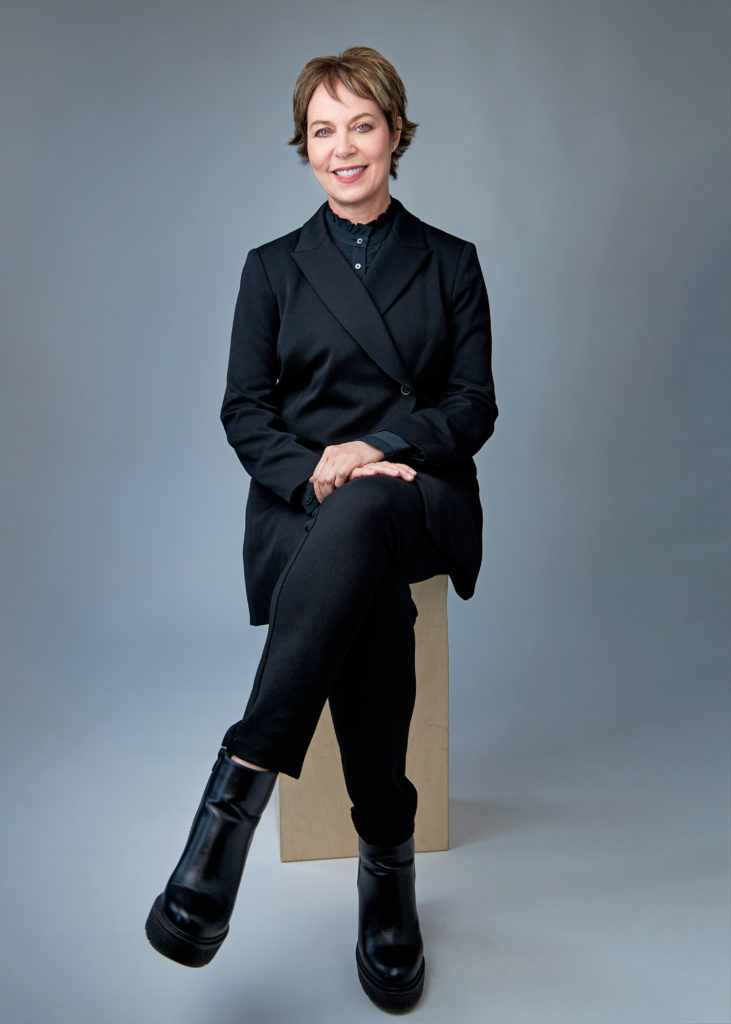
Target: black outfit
(320, 357)
(359, 244)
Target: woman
(359, 388)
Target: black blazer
(319, 356)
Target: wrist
(374, 454)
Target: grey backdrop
(584, 146)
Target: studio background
(583, 145)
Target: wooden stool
(314, 810)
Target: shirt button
(405, 391)
(359, 241)
(358, 266)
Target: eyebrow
(356, 118)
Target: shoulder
(414, 231)
(452, 258)
(440, 239)
(279, 249)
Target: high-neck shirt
(360, 243)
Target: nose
(344, 145)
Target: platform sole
(173, 943)
(391, 999)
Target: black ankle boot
(189, 921)
(390, 953)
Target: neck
(361, 213)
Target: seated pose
(359, 389)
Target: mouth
(349, 173)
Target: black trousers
(342, 629)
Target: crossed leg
(344, 589)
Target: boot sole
(392, 1000)
(173, 943)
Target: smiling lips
(349, 173)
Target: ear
(397, 133)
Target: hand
(398, 469)
(338, 463)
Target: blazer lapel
(345, 296)
(402, 256)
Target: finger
(322, 489)
(322, 485)
(324, 473)
(327, 460)
(344, 473)
(396, 469)
(381, 469)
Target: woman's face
(349, 147)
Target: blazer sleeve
(453, 425)
(250, 414)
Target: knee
(364, 503)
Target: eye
(363, 127)
(322, 133)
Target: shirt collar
(373, 232)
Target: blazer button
(405, 391)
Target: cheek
(321, 163)
(314, 157)
(383, 152)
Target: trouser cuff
(259, 753)
(382, 833)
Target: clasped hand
(343, 462)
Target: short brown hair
(366, 73)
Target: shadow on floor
(471, 821)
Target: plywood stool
(314, 810)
